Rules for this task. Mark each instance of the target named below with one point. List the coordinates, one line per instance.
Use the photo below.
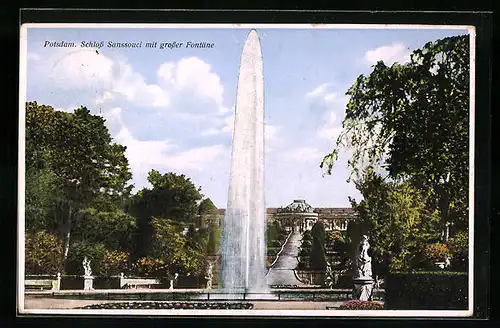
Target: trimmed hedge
(424, 290)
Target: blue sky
(173, 108)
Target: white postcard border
(292, 313)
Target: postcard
(321, 170)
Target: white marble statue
(86, 267)
(172, 281)
(209, 276)
(329, 276)
(364, 261)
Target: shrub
(426, 290)
(187, 262)
(304, 252)
(302, 265)
(318, 257)
(306, 244)
(43, 253)
(459, 250)
(271, 251)
(281, 237)
(307, 235)
(213, 244)
(333, 237)
(149, 267)
(436, 252)
(341, 246)
(275, 243)
(361, 305)
(95, 252)
(115, 262)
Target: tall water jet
(243, 246)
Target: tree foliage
(78, 149)
(77, 161)
(113, 228)
(43, 253)
(397, 220)
(213, 244)
(317, 255)
(77, 194)
(206, 207)
(459, 250)
(412, 119)
(42, 195)
(79, 249)
(115, 262)
(172, 196)
(170, 246)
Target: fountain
(243, 246)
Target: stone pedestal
(88, 283)
(363, 288)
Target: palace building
(300, 216)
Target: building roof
(297, 206)
(300, 206)
(334, 210)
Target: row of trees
(407, 129)
(79, 203)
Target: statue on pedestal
(209, 276)
(329, 279)
(364, 261)
(363, 282)
(86, 267)
(87, 278)
(172, 281)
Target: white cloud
(79, 69)
(68, 109)
(193, 74)
(271, 132)
(305, 155)
(272, 139)
(87, 72)
(195, 158)
(328, 132)
(389, 54)
(144, 155)
(105, 97)
(134, 87)
(333, 105)
(331, 97)
(227, 127)
(108, 77)
(319, 91)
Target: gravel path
(281, 273)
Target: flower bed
(361, 305)
(170, 305)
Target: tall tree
(169, 245)
(413, 119)
(172, 196)
(78, 149)
(206, 207)
(318, 256)
(397, 220)
(213, 243)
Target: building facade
(299, 216)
